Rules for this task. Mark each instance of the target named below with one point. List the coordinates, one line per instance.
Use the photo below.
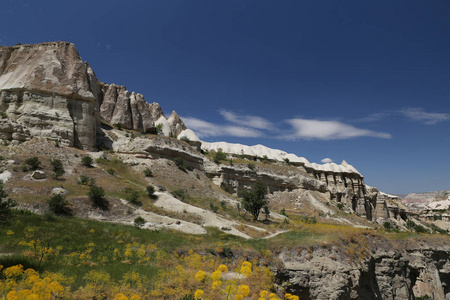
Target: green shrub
(58, 168)
(219, 156)
(148, 172)
(340, 205)
(180, 194)
(251, 166)
(33, 163)
(6, 206)
(139, 222)
(87, 161)
(97, 196)
(387, 226)
(223, 204)
(179, 163)
(226, 252)
(213, 207)
(150, 191)
(85, 180)
(133, 197)
(111, 171)
(59, 206)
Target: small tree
(33, 163)
(159, 129)
(253, 201)
(58, 167)
(5, 206)
(139, 222)
(97, 196)
(87, 161)
(59, 206)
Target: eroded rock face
(46, 90)
(396, 273)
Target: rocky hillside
(46, 90)
(52, 106)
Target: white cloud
(328, 130)
(417, 114)
(327, 160)
(246, 120)
(206, 129)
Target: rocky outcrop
(46, 90)
(343, 183)
(237, 178)
(373, 271)
(160, 147)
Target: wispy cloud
(328, 130)
(206, 129)
(327, 160)
(373, 117)
(241, 125)
(246, 120)
(418, 114)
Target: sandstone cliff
(46, 90)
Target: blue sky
(364, 81)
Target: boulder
(38, 175)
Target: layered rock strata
(343, 183)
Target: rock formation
(343, 183)
(379, 270)
(46, 90)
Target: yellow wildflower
(198, 294)
(246, 269)
(264, 294)
(216, 275)
(135, 297)
(216, 284)
(244, 290)
(120, 296)
(128, 253)
(200, 275)
(13, 271)
(92, 230)
(222, 268)
(238, 297)
(9, 232)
